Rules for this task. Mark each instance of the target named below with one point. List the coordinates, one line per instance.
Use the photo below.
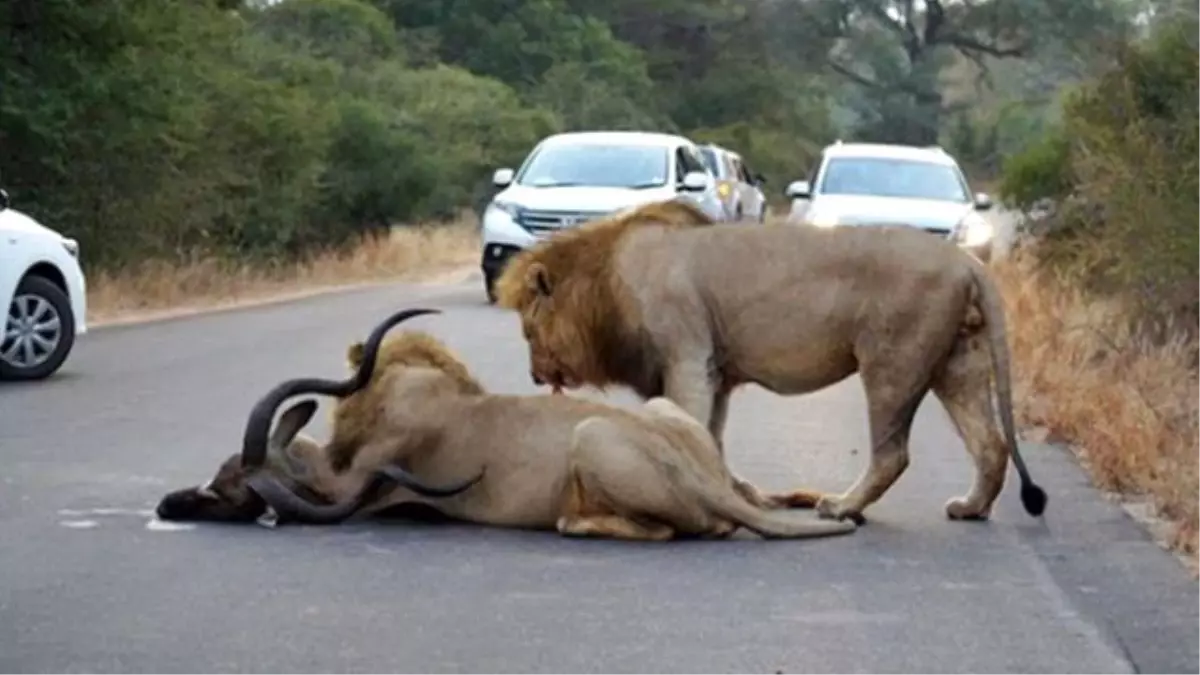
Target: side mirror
(760, 179)
(502, 177)
(983, 201)
(798, 189)
(696, 181)
(3, 199)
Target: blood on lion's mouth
(558, 382)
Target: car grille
(545, 223)
(933, 227)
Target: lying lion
(665, 301)
(542, 462)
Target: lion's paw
(962, 509)
(836, 509)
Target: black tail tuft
(1033, 498)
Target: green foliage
(167, 128)
(164, 128)
(467, 126)
(894, 55)
(1126, 155)
(1041, 171)
(376, 173)
(348, 31)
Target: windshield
(880, 177)
(627, 166)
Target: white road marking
(156, 525)
(78, 524)
(106, 511)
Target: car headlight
(975, 230)
(723, 189)
(508, 208)
(823, 219)
(72, 246)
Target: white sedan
(45, 293)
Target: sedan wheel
(39, 331)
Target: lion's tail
(727, 503)
(1033, 497)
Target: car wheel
(39, 331)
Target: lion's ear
(354, 354)
(538, 279)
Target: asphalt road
(90, 582)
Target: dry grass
(410, 253)
(1128, 408)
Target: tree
(895, 51)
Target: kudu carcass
(278, 465)
(547, 462)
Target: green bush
(174, 129)
(1042, 171)
(1126, 153)
(152, 129)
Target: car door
(800, 207)
(681, 169)
(687, 159)
(737, 174)
(711, 200)
(733, 201)
(752, 196)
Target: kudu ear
(538, 279)
(290, 423)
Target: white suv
(45, 294)
(877, 184)
(740, 190)
(570, 178)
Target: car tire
(39, 290)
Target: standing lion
(665, 301)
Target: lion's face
(551, 338)
(544, 366)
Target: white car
(879, 184)
(570, 178)
(44, 291)
(740, 190)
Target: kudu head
(228, 495)
(268, 473)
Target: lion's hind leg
(624, 470)
(963, 387)
(796, 499)
(588, 510)
(612, 527)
